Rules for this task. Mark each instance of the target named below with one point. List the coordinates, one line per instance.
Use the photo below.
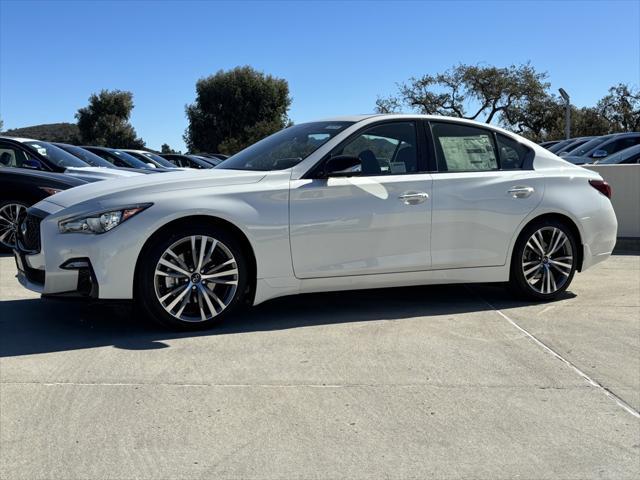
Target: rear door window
(462, 148)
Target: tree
(105, 121)
(165, 148)
(469, 91)
(536, 117)
(234, 109)
(621, 108)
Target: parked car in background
(560, 144)
(19, 189)
(190, 161)
(327, 206)
(627, 156)
(37, 155)
(120, 158)
(549, 144)
(601, 147)
(93, 159)
(575, 144)
(219, 156)
(150, 157)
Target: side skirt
(268, 288)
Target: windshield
(86, 156)
(205, 162)
(560, 145)
(285, 148)
(153, 158)
(163, 162)
(56, 155)
(129, 159)
(621, 156)
(585, 147)
(571, 146)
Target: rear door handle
(520, 191)
(413, 198)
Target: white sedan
(349, 203)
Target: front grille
(29, 233)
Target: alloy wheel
(9, 215)
(547, 260)
(196, 278)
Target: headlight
(99, 222)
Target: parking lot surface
(445, 382)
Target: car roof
(95, 146)
(20, 139)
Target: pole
(567, 113)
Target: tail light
(602, 186)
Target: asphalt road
(428, 382)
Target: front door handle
(520, 191)
(413, 198)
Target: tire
(544, 260)
(167, 296)
(9, 209)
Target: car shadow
(40, 326)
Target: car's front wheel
(10, 212)
(193, 277)
(544, 260)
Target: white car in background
(349, 203)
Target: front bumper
(78, 265)
(79, 281)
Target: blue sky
(338, 57)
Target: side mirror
(343, 166)
(152, 165)
(599, 154)
(32, 163)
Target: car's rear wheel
(10, 212)
(544, 260)
(192, 278)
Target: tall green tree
(105, 121)
(234, 109)
(483, 93)
(517, 98)
(621, 108)
(166, 148)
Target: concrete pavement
(427, 382)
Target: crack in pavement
(606, 391)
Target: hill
(49, 132)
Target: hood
(93, 174)
(156, 184)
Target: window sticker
(468, 153)
(398, 167)
(40, 149)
